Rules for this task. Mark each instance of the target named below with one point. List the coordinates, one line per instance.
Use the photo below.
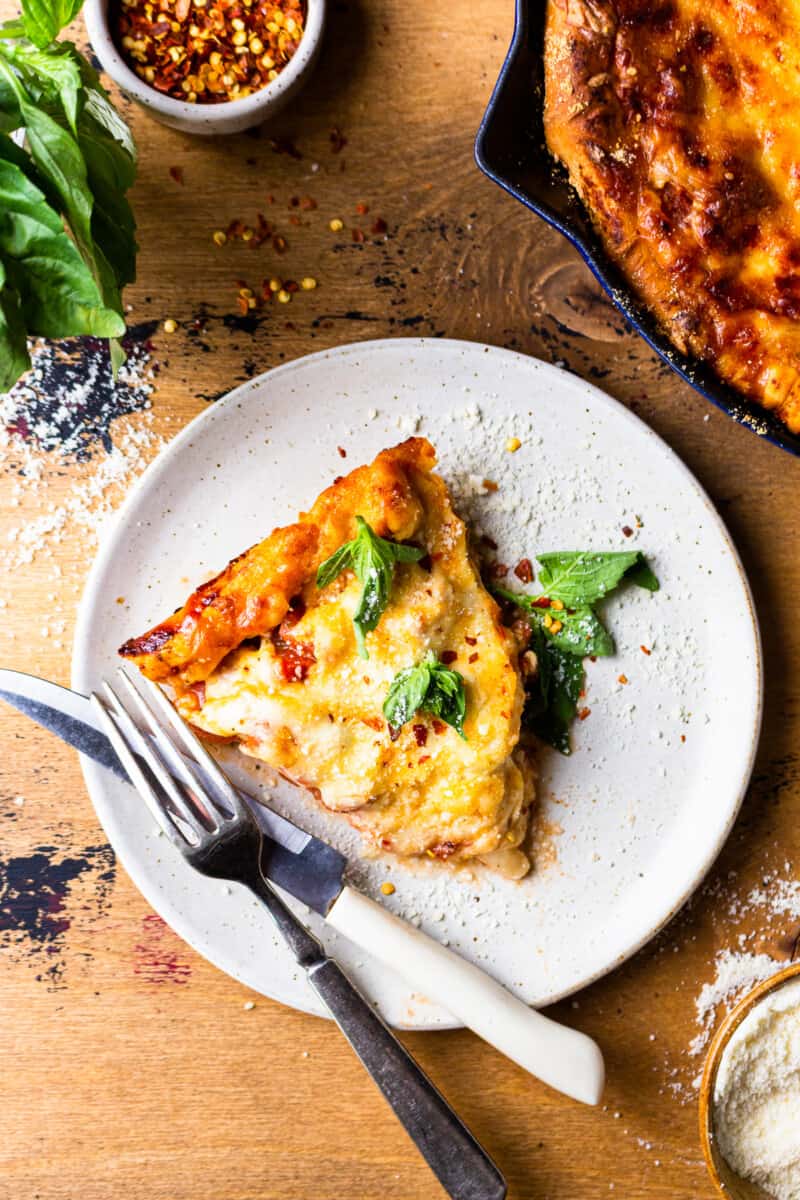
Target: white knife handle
(566, 1059)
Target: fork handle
(458, 1161)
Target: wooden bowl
(729, 1184)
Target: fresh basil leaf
(110, 172)
(44, 19)
(642, 575)
(580, 578)
(10, 116)
(51, 75)
(373, 560)
(117, 355)
(582, 632)
(98, 107)
(565, 675)
(58, 296)
(406, 695)
(429, 687)
(14, 357)
(342, 560)
(12, 29)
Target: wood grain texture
(130, 1069)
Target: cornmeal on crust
(677, 122)
(262, 656)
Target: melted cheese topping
(428, 790)
(678, 124)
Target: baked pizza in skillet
(678, 123)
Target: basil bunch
(67, 244)
(562, 634)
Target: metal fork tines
(196, 806)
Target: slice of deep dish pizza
(358, 653)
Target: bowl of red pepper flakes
(207, 66)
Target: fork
(207, 821)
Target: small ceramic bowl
(230, 116)
(728, 1183)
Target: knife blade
(303, 865)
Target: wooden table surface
(130, 1067)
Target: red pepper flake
(497, 570)
(448, 656)
(283, 145)
(423, 758)
(683, 737)
(622, 679)
(438, 726)
(379, 226)
(307, 204)
(358, 235)
(628, 532)
(471, 641)
(541, 602)
(338, 140)
(420, 734)
(645, 650)
(341, 452)
(491, 486)
(584, 713)
(524, 570)
(472, 658)
(294, 220)
(177, 174)
(296, 658)
(279, 244)
(212, 52)
(362, 209)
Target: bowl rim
(95, 14)
(699, 375)
(720, 1040)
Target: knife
(313, 872)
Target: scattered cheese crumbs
(248, 1005)
(67, 409)
(170, 326)
(336, 226)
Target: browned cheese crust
(678, 123)
(253, 594)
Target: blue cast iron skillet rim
(510, 149)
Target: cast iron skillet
(510, 149)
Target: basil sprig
(562, 635)
(67, 244)
(373, 560)
(429, 687)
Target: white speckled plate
(631, 822)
